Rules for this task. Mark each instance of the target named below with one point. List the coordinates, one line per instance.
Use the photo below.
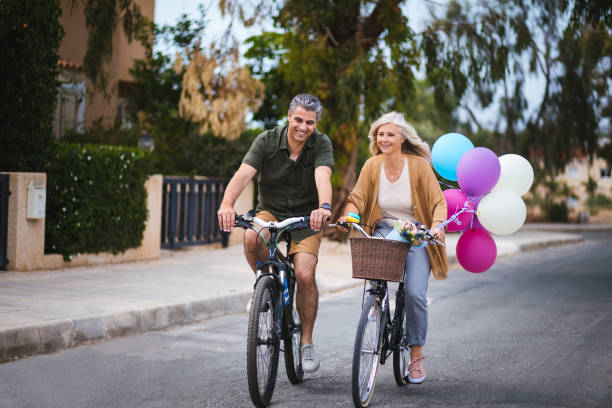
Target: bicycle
(273, 317)
(379, 334)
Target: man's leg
(307, 296)
(254, 246)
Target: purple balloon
(478, 171)
(476, 250)
(455, 200)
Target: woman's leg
(415, 299)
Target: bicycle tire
(293, 350)
(263, 344)
(366, 354)
(401, 354)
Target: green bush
(556, 212)
(30, 34)
(96, 200)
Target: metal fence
(189, 211)
(4, 196)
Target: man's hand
(318, 217)
(227, 217)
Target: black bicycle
(380, 333)
(273, 317)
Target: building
(78, 103)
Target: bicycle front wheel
(366, 355)
(263, 343)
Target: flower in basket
(410, 232)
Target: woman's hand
(438, 233)
(340, 227)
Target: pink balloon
(455, 200)
(476, 250)
(478, 171)
(474, 224)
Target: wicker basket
(380, 259)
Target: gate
(189, 212)
(4, 196)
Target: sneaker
(248, 306)
(416, 370)
(310, 360)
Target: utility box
(37, 198)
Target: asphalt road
(534, 331)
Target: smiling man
(295, 164)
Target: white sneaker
(248, 306)
(310, 360)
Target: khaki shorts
(310, 244)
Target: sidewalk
(47, 311)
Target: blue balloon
(446, 153)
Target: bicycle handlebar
(246, 221)
(428, 235)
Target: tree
(357, 57)
(30, 34)
(481, 50)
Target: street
(534, 331)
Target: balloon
(455, 200)
(516, 174)
(473, 224)
(446, 152)
(476, 250)
(478, 171)
(502, 212)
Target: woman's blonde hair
(412, 144)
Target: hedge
(96, 199)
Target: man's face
(301, 125)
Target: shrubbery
(96, 198)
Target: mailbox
(37, 197)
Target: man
(295, 164)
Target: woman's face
(388, 139)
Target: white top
(395, 199)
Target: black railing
(189, 211)
(4, 198)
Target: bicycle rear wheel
(262, 343)
(366, 355)
(293, 350)
(401, 353)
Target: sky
(167, 12)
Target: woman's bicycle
(380, 333)
(273, 318)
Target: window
(604, 173)
(572, 172)
(572, 202)
(70, 108)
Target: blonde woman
(398, 183)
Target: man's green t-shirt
(287, 188)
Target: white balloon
(502, 212)
(516, 174)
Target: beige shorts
(310, 244)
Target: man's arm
(319, 216)
(226, 213)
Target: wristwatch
(326, 206)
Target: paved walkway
(47, 311)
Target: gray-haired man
(295, 164)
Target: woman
(398, 183)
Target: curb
(64, 334)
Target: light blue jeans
(415, 290)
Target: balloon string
(466, 208)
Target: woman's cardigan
(428, 203)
